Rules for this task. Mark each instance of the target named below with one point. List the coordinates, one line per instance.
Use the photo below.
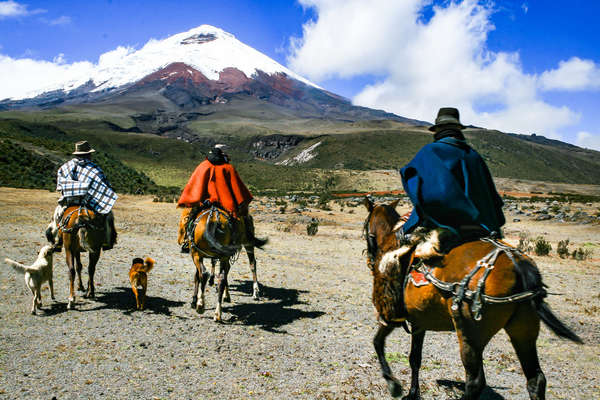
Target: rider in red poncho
(215, 181)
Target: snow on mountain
(208, 49)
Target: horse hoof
(394, 387)
(81, 288)
(227, 299)
(211, 280)
(217, 318)
(70, 305)
(200, 309)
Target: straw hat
(82, 148)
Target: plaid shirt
(82, 178)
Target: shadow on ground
(487, 394)
(274, 310)
(123, 299)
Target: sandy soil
(309, 336)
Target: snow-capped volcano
(206, 49)
(168, 83)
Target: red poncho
(217, 183)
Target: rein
(461, 292)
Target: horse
(216, 235)
(475, 289)
(82, 231)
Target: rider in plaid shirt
(81, 182)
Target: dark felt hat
(447, 117)
(82, 148)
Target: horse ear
(368, 203)
(394, 203)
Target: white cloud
(12, 9)
(62, 20)
(525, 8)
(588, 140)
(425, 65)
(574, 74)
(20, 77)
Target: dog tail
(17, 266)
(148, 264)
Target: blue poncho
(450, 186)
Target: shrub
(312, 227)
(580, 254)
(563, 248)
(524, 242)
(542, 246)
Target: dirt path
(309, 337)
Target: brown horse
(216, 235)
(476, 289)
(81, 231)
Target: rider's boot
(110, 238)
(185, 246)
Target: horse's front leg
(393, 384)
(416, 352)
(471, 345)
(211, 279)
(70, 258)
(91, 271)
(252, 262)
(221, 285)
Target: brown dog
(138, 276)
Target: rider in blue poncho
(450, 185)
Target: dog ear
(137, 260)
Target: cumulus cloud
(588, 140)
(427, 64)
(12, 9)
(24, 77)
(574, 74)
(27, 77)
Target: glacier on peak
(208, 49)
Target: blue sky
(520, 66)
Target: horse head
(378, 228)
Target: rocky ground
(309, 337)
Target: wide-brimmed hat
(82, 148)
(447, 116)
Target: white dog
(36, 274)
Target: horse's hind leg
(200, 278)
(416, 353)
(79, 267)
(252, 262)
(523, 329)
(91, 271)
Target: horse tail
(258, 242)
(531, 279)
(222, 249)
(556, 325)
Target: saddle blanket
(418, 278)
